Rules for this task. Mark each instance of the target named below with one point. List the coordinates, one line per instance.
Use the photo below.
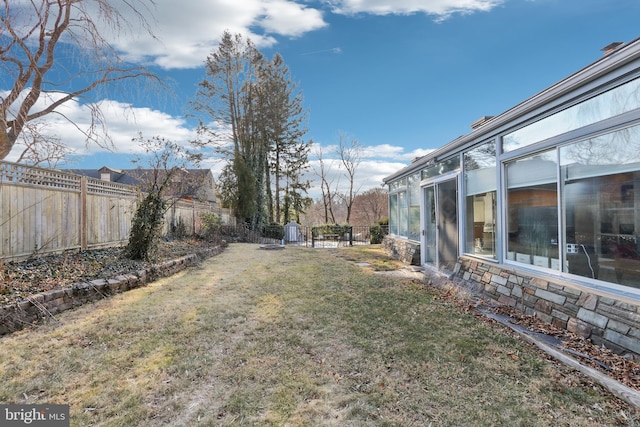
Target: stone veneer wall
(603, 318)
(402, 249)
(37, 307)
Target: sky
(401, 77)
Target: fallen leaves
(513, 356)
(617, 366)
(20, 279)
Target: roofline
(591, 72)
(110, 169)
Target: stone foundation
(404, 250)
(602, 318)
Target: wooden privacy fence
(45, 210)
(184, 216)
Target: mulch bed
(19, 279)
(616, 366)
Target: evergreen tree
(284, 128)
(259, 124)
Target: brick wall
(604, 318)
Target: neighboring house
(539, 207)
(197, 184)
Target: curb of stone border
(35, 308)
(628, 394)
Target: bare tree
(41, 149)
(370, 206)
(350, 152)
(167, 160)
(34, 38)
(326, 182)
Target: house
(187, 184)
(539, 207)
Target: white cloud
(123, 121)
(289, 18)
(393, 152)
(377, 163)
(188, 30)
(368, 175)
(386, 152)
(442, 9)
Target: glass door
(440, 238)
(429, 235)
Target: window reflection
(404, 208)
(532, 210)
(430, 240)
(403, 214)
(601, 178)
(414, 206)
(608, 104)
(393, 214)
(449, 165)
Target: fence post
(193, 216)
(83, 212)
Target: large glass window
(393, 214)
(403, 214)
(480, 191)
(601, 184)
(404, 207)
(414, 206)
(608, 104)
(532, 210)
(449, 165)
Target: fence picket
(52, 211)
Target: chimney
(481, 121)
(611, 47)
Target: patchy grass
(370, 254)
(292, 337)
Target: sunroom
(543, 196)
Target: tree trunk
(6, 143)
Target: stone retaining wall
(603, 318)
(405, 250)
(37, 307)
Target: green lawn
(296, 337)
